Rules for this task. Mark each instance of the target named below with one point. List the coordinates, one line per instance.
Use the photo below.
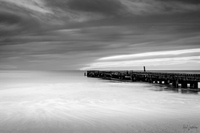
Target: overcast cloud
(77, 34)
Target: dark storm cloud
(106, 7)
(15, 22)
(70, 30)
(8, 23)
(9, 18)
(99, 6)
(189, 1)
(183, 1)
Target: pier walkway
(175, 79)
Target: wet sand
(96, 107)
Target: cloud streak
(183, 1)
(145, 62)
(148, 54)
(107, 7)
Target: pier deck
(174, 79)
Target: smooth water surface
(68, 102)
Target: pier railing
(174, 79)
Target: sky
(99, 34)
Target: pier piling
(174, 79)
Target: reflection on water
(62, 102)
(176, 90)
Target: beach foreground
(39, 102)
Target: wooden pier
(187, 81)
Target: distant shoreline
(166, 71)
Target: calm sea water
(68, 102)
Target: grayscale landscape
(47, 48)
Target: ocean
(69, 102)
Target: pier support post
(166, 82)
(150, 80)
(191, 85)
(184, 84)
(175, 84)
(194, 85)
(133, 78)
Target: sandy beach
(94, 106)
